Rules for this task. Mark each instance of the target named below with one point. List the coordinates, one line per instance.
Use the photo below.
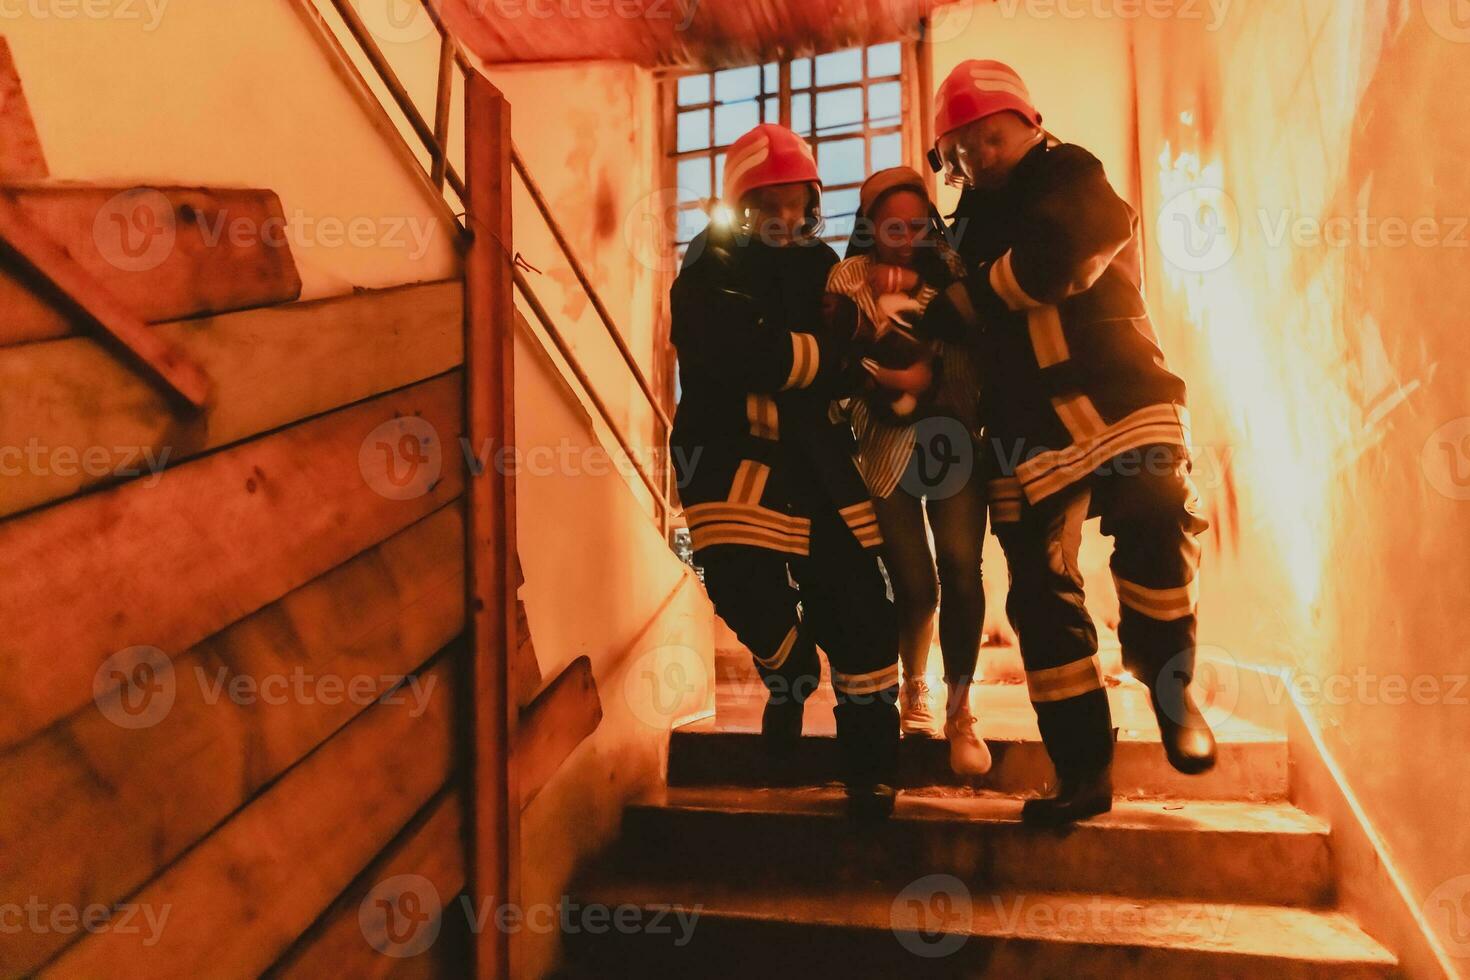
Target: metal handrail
(581, 273)
(435, 142)
(438, 151)
(659, 496)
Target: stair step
(702, 754)
(1242, 852)
(743, 930)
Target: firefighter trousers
(1148, 507)
(840, 602)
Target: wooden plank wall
(230, 686)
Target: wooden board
(72, 416)
(21, 157)
(554, 724)
(237, 901)
(53, 270)
(164, 252)
(167, 565)
(337, 945)
(102, 809)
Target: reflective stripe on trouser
(1153, 520)
(1048, 610)
(752, 593)
(845, 602)
(844, 609)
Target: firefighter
(777, 510)
(897, 225)
(1084, 419)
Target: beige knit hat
(884, 181)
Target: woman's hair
(864, 238)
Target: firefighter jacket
(754, 449)
(1074, 371)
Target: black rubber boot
(781, 739)
(867, 747)
(1188, 741)
(1078, 797)
(871, 803)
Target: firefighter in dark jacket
(1084, 419)
(767, 479)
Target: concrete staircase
(1212, 876)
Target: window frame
(906, 127)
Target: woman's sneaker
(968, 755)
(915, 717)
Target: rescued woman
(913, 451)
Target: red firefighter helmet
(767, 155)
(976, 89)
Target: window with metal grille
(847, 104)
